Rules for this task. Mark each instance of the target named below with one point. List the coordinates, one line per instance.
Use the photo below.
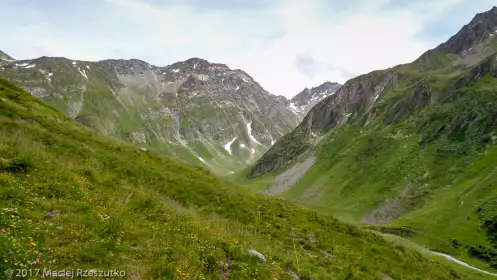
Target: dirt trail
(398, 240)
(452, 259)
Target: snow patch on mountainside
(295, 109)
(376, 97)
(83, 73)
(249, 131)
(272, 140)
(227, 147)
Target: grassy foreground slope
(73, 199)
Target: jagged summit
(126, 63)
(199, 62)
(196, 64)
(327, 86)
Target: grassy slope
(444, 150)
(71, 198)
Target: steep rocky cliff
(351, 99)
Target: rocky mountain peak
(327, 86)
(127, 66)
(196, 65)
(305, 100)
(481, 29)
(204, 76)
(6, 57)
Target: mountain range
(199, 112)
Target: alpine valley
(194, 171)
(409, 150)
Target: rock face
(200, 112)
(303, 102)
(349, 100)
(471, 44)
(481, 28)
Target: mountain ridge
(5, 57)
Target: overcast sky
(286, 45)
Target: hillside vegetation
(73, 199)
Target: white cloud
(368, 39)
(267, 42)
